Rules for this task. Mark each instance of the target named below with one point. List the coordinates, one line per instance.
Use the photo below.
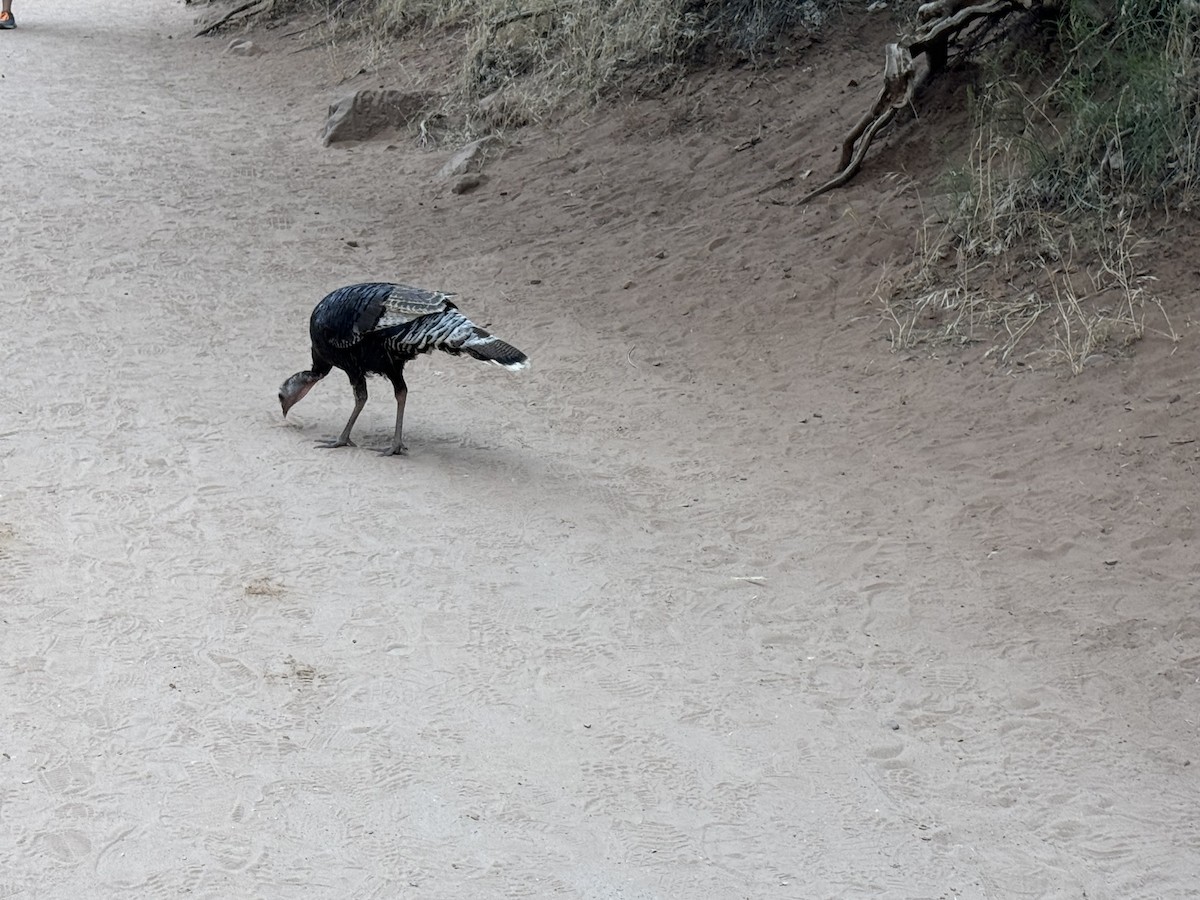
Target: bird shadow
(454, 454)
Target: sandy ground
(722, 599)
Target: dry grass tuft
(1013, 277)
(526, 58)
(265, 587)
(1036, 251)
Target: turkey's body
(374, 329)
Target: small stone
(243, 47)
(365, 113)
(466, 156)
(467, 183)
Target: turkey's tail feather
(454, 333)
(493, 350)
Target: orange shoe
(7, 20)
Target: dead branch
(942, 22)
(501, 21)
(246, 9)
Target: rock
(364, 113)
(464, 157)
(503, 108)
(243, 47)
(491, 101)
(467, 183)
(515, 47)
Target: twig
(309, 27)
(329, 16)
(855, 161)
(776, 185)
(499, 22)
(232, 14)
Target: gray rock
(503, 108)
(467, 183)
(491, 101)
(472, 154)
(243, 47)
(365, 113)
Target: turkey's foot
(398, 450)
(330, 443)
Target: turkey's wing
(406, 303)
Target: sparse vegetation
(1086, 131)
(547, 54)
(1078, 153)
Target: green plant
(1072, 153)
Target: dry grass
(1030, 282)
(1026, 308)
(530, 57)
(1036, 249)
(1036, 254)
(1027, 291)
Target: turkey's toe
(330, 443)
(401, 450)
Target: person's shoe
(7, 20)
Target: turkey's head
(293, 390)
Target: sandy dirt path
(722, 599)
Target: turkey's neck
(320, 368)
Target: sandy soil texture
(721, 599)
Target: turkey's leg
(398, 448)
(360, 400)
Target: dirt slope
(722, 599)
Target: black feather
(375, 328)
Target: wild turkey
(374, 329)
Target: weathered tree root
(245, 10)
(943, 21)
